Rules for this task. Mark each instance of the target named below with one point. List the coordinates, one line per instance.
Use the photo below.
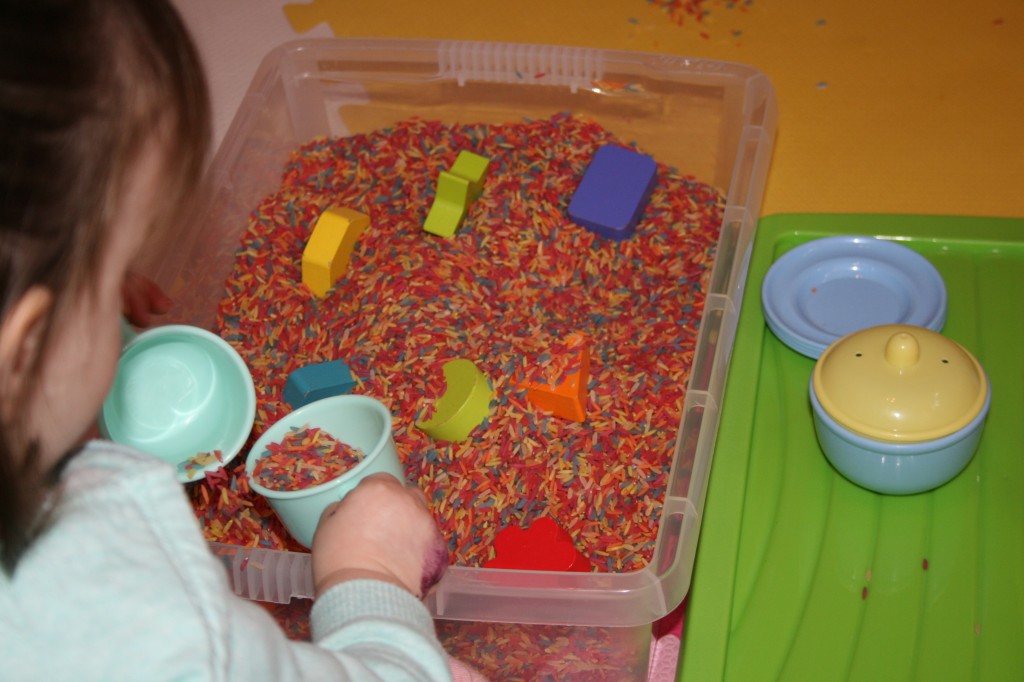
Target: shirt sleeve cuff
(357, 599)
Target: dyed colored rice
(514, 283)
(304, 458)
(511, 652)
(554, 364)
(195, 464)
(506, 292)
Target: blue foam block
(317, 381)
(613, 192)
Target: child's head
(103, 132)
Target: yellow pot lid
(900, 383)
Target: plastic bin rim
(662, 60)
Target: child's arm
(377, 552)
(143, 299)
(380, 531)
(124, 585)
(374, 554)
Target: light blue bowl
(897, 468)
(180, 391)
(356, 420)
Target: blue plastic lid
(827, 288)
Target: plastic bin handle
(268, 575)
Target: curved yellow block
(465, 403)
(329, 248)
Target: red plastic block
(544, 546)
(565, 395)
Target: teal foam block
(316, 381)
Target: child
(103, 125)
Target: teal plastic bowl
(356, 420)
(181, 391)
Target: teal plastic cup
(359, 421)
(180, 392)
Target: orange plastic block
(565, 395)
(329, 248)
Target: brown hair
(84, 85)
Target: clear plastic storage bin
(711, 119)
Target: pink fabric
(664, 659)
(671, 624)
(665, 647)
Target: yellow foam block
(329, 248)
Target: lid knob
(902, 350)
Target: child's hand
(143, 298)
(383, 531)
